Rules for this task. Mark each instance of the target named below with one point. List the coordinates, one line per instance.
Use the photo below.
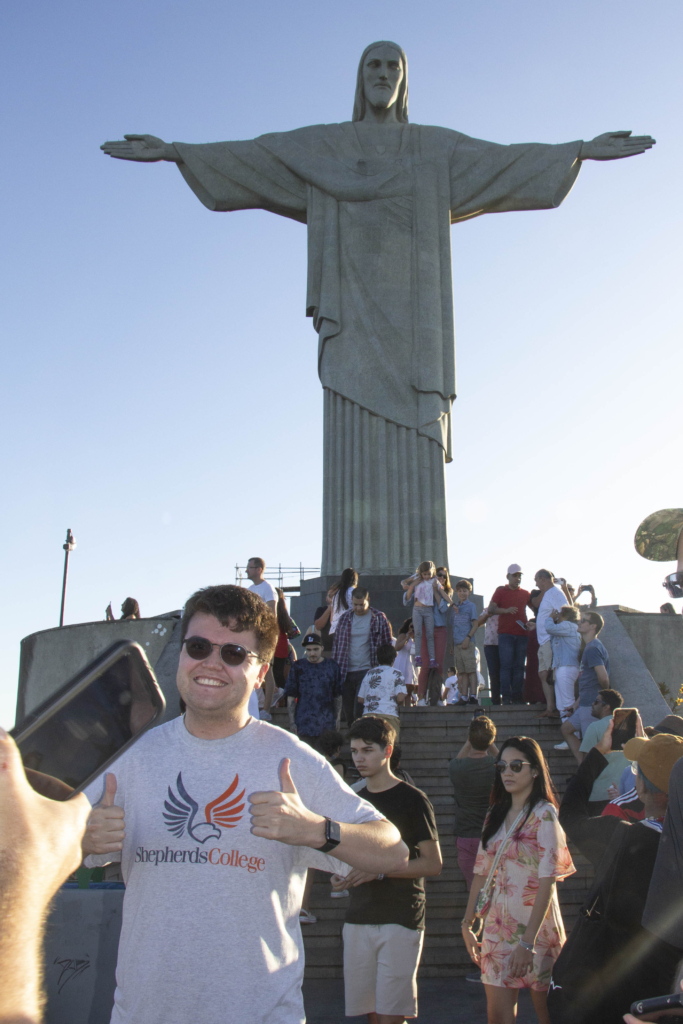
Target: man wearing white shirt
(553, 600)
(261, 586)
(214, 875)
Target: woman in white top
(340, 602)
(405, 656)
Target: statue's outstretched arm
(613, 146)
(143, 148)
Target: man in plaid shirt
(359, 633)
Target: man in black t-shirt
(384, 925)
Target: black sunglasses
(199, 648)
(514, 766)
(674, 584)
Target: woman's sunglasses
(199, 648)
(514, 766)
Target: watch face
(333, 832)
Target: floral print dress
(539, 850)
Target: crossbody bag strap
(501, 849)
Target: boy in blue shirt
(465, 625)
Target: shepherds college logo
(181, 812)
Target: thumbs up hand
(283, 816)
(106, 826)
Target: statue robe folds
(379, 201)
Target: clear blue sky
(159, 387)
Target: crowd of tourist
(375, 838)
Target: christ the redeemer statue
(378, 196)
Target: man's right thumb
(109, 791)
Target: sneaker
(339, 895)
(422, 703)
(472, 699)
(418, 661)
(562, 746)
(306, 917)
(433, 663)
(265, 716)
(476, 978)
(278, 694)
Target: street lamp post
(68, 547)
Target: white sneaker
(277, 694)
(422, 703)
(306, 917)
(265, 716)
(562, 746)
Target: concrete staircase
(430, 737)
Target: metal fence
(286, 577)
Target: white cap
(514, 568)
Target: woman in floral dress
(523, 931)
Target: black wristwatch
(332, 836)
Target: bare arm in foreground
(39, 848)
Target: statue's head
(382, 80)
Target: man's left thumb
(286, 784)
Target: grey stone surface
(659, 641)
(377, 195)
(53, 656)
(81, 946)
(628, 671)
(385, 594)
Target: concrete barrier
(81, 945)
(628, 671)
(53, 656)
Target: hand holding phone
(73, 736)
(625, 725)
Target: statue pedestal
(385, 594)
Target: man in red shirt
(509, 603)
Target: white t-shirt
(211, 912)
(452, 691)
(339, 609)
(265, 591)
(424, 592)
(379, 690)
(552, 599)
(405, 662)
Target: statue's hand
(615, 146)
(143, 148)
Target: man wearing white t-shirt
(223, 816)
(552, 600)
(259, 585)
(383, 688)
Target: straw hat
(656, 756)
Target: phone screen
(72, 745)
(625, 721)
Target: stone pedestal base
(385, 594)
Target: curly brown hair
(240, 610)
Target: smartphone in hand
(624, 728)
(73, 736)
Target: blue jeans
(512, 653)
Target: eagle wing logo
(181, 810)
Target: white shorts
(565, 677)
(380, 969)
